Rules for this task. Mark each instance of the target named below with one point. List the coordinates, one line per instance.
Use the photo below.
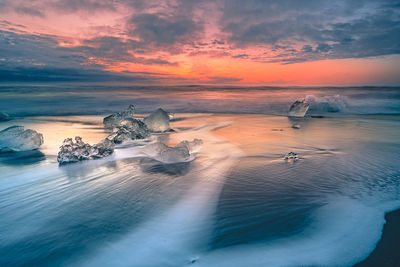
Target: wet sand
(386, 252)
(221, 209)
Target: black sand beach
(238, 202)
(386, 252)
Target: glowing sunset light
(212, 42)
(227, 133)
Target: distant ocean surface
(238, 203)
(45, 100)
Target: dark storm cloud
(112, 49)
(27, 49)
(285, 31)
(162, 30)
(241, 56)
(324, 29)
(30, 49)
(27, 57)
(84, 5)
(3, 5)
(109, 47)
(373, 35)
(31, 11)
(219, 80)
(57, 74)
(298, 30)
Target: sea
(237, 202)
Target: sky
(252, 42)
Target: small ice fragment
(158, 121)
(154, 149)
(15, 139)
(71, 151)
(291, 156)
(129, 129)
(193, 146)
(161, 152)
(296, 126)
(180, 153)
(4, 116)
(298, 109)
(173, 155)
(114, 119)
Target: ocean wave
(336, 238)
(173, 238)
(101, 101)
(335, 103)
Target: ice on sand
(129, 129)
(15, 139)
(180, 153)
(114, 119)
(158, 121)
(298, 109)
(71, 151)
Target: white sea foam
(335, 103)
(345, 232)
(175, 237)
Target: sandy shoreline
(262, 198)
(386, 252)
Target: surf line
(177, 236)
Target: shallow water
(238, 203)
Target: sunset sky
(257, 42)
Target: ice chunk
(114, 119)
(129, 129)
(4, 116)
(296, 126)
(15, 138)
(158, 121)
(105, 148)
(291, 156)
(161, 152)
(298, 108)
(71, 151)
(173, 155)
(154, 149)
(180, 153)
(193, 146)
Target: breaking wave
(335, 103)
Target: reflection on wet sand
(22, 158)
(153, 166)
(237, 202)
